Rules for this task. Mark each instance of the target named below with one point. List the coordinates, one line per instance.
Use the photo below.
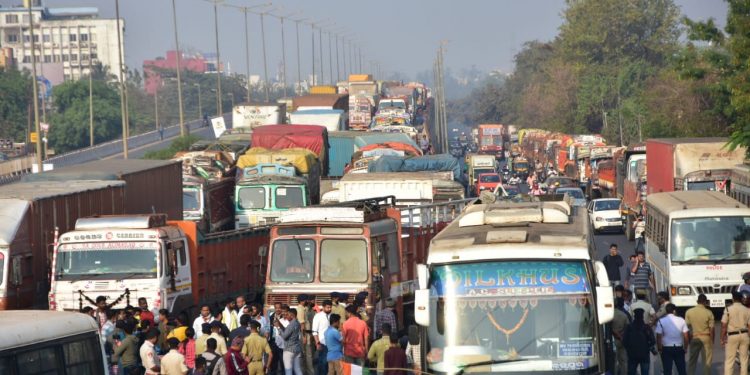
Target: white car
(604, 214)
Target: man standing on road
(320, 325)
(613, 262)
(384, 316)
(642, 303)
(734, 334)
(700, 321)
(204, 317)
(672, 339)
(356, 335)
(620, 322)
(643, 275)
(292, 346)
(253, 350)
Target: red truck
(631, 184)
(491, 140)
(691, 164)
(280, 137)
(31, 213)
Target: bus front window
(533, 316)
(293, 261)
(113, 259)
(710, 239)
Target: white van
(50, 342)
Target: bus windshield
(711, 239)
(293, 261)
(191, 199)
(537, 315)
(110, 259)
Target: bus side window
(38, 361)
(81, 356)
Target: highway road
(139, 152)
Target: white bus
(50, 342)
(514, 288)
(697, 242)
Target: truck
(344, 144)
(270, 182)
(331, 119)
(698, 242)
(392, 111)
(491, 139)
(513, 287)
(409, 188)
(31, 214)
(150, 185)
(691, 164)
(280, 137)
(208, 202)
(478, 164)
(169, 263)
(320, 101)
(364, 96)
(740, 187)
(631, 184)
(251, 115)
(352, 247)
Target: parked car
(604, 214)
(579, 199)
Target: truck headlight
(599, 218)
(681, 291)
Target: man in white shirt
(641, 303)
(319, 326)
(204, 317)
(149, 359)
(671, 340)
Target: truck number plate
(717, 303)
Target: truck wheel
(629, 231)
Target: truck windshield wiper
(485, 363)
(735, 254)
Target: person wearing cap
(253, 350)
(221, 342)
(234, 362)
(642, 303)
(700, 321)
(671, 340)
(734, 334)
(337, 307)
(384, 316)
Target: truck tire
(629, 231)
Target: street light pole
(312, 32)
(247, 55)
(320, 46)
(91, 105)
(179, 78)
(219, 110)
(123, 105)
(338, 70)
(330, 58)
(156, 110)
(35, 93)
(299, 64)
(265, 63)
(283, 57)
(200, 107)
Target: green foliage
(738, 29)
(179, 144)
(15, 95)
(69, 123)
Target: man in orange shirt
(355, 333)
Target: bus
(514, 288)
(50, 342)
(739, 189)
(697, 243)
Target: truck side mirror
(422, 307)
(605, 304)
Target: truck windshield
(110, 259)
(191, 199)
(343, 261)
(702, 185)
(253, 197)
(289, 197)
(711, 239)
(293, 261)
(489, 178)
(538, 314)
(521, 165)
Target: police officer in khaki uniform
(700, 321)
(255, 346)
(734, 334)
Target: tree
(738, 43)
(179, 144)
(69, 123)
(15, 102)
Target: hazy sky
(402, 34)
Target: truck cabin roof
(675, 141)
(669, 202)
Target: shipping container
(31, 212)
(151, 186)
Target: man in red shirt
(355, 334)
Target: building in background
(155, 71)
(68, 40)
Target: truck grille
(99, 285)
(724, 289)
(291, 300)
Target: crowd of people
(641, 329)
(312, 337)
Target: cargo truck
(409, 188)
(31, 213)
(392, 111)
(631, 184)
(691, 164)
(491, 140)
(270, 182)
(331, 119)
(513, 287)
(208, 202)
(251, 115)
(170, 264)
(363, 99)
(280, 137)
(478, 164)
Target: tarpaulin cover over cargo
(441, 162)
(280, 137)
(302, 159)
